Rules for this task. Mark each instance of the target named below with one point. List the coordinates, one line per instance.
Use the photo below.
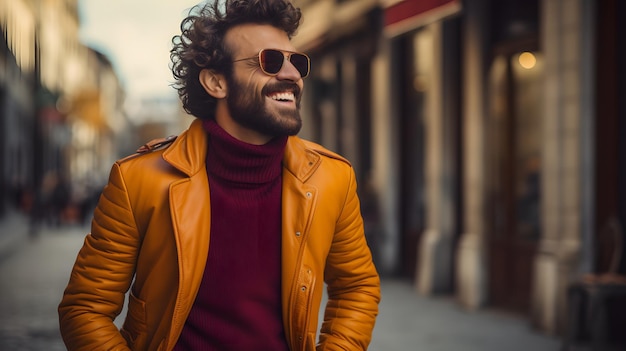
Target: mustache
(282, 86)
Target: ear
(214, 83)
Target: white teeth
(283, 96)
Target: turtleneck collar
(233, 160)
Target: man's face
(250, 109)
(257, 102)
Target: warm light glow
(527, 60)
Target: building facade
(486, 136)
(61, 105)
(17, 84)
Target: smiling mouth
(287, 96)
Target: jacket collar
(188, 154)
(300, 160)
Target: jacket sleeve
(101, 274)
(352, 280)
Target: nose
(288, 72)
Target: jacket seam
(130, 204)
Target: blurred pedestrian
(226, 235)
(87, 204)
(42, 209)
(60, 201)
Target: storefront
(495, 142)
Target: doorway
(514, 173)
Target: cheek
(253, 77)
(255, 83)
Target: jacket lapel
(190, 213)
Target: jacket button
(298, 233)
(308, 194)
(303, 288)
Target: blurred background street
(34, 272)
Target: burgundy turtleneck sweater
(238, 306)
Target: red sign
(410, 13)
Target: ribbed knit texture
(238, 307)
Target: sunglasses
(271, 61)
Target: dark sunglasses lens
(301, 63)
(272, 61)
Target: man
(226, 235)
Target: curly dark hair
(201, 43)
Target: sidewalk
(408, 321)
(14, 230)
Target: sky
(136, 36)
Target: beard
(250, 111)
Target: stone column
(471, 252)
(566, 160)
(435, 247)
(385, 177)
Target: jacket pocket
(134, 327)
(310, 342)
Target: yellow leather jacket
(151, 228)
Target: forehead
(249, 39)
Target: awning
(408, 15)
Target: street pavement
(34, 271)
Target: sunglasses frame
(286, 57)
